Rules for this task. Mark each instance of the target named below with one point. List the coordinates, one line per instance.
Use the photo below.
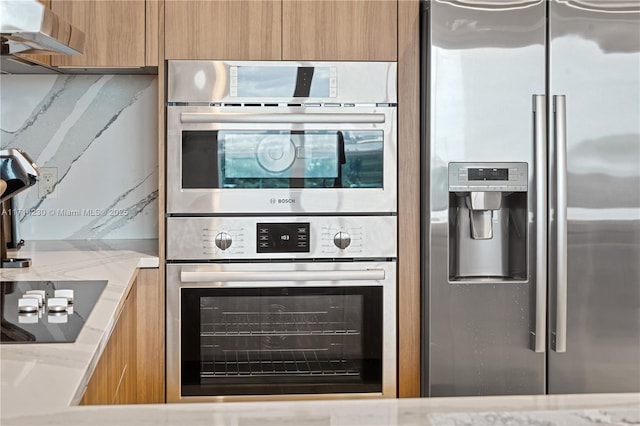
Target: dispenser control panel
(498, 177)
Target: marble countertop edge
(547, 410)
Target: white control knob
(223, 240)
(342, 240)
(41, 294)
(57, 305)
(36, 296)
(66, 293)
(28, 305)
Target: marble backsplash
(99, 133)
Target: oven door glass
(282, 159)
(311, 340)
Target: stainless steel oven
(281, 230)
(281, 137)
(281, 307)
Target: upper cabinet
(237, 29)
(114, 29)
(281, 29)
(340, 30)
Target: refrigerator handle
(560, 136)
(540, 146)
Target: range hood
(27, 26)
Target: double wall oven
(281, 230)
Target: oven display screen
(281, 82)
(488, 174)
(282, 237)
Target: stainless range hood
(27, 26)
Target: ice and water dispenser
(488, 221)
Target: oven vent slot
(282, 105)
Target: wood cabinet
(131, 368)
(124, 362)
(281, 29)
(409, 256)
(152, 32)
(150, 337)
(114, 379)
(340, 30)
(114, 29)
(238, 29)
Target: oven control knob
(223, 240)
(342, 240)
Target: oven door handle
(347, 118)
(254, 276)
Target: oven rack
(275, 324)
(268, 363)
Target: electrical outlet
(47, 182)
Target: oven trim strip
(327, 118)
(263, 276)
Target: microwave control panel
(330, 237)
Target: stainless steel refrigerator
(531, 199)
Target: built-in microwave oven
(281, 137)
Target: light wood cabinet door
(131, 368)
(340, 30)
(238, 29)
(114, 379)
(152, 32)
(101, 387)
(126, 391)
(114, 30)
(150, 337)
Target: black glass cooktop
(56, 319)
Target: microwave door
(317, 164)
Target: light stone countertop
(46, 377)
(42, 384)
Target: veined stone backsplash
(100, 133)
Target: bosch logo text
(282, 200)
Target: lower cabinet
(131, 368)
(150, 338)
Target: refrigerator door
(595, 63)
(485, 62)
